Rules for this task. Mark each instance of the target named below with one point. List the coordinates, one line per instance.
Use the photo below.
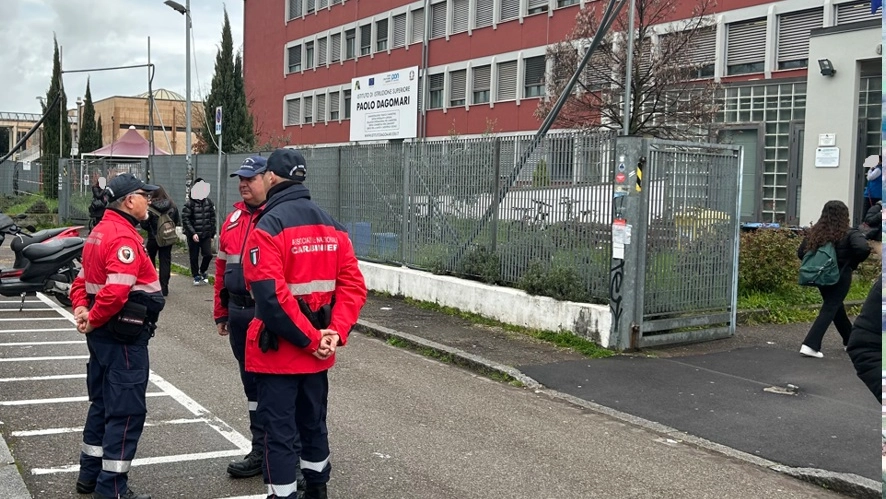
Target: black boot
(128, 495)
(249, 466)
(85, 486)
(315, 491)
(300, 483)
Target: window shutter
(507, 81)
(793, 33)
(381, 29)
(853, 12)
(399, 30)
(321, 51)
(418, 25)
(437, 82)
(438, 20)
(333, 2)
(645, 55)
(295, 8)
(597, 73)
(460, 10)
(321, 108)
(321, 4)
(333, 103)
(294, 58)
(311, 4)
(746, 42)
(457, 80)
(335, 56)
(702, 50)
(365, 36)
(533, 4)
(483, 15)
(510, 9)
(535, 71)
(309, 109)
(481, 78)
(293, 114)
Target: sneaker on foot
(198, 281)
(204, 277)
(808, 352)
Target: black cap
(126, 183)
(288, 164)
(251, 167)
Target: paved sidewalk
(726, 395)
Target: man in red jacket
(234, 307)
(117, 301)
(301, 269)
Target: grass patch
(180, 269)
(564, 339)
(795, 303)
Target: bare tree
(671, 96)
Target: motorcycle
(22, 240)
(51, 268)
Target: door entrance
(795, 173)
(749, 139)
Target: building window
(294, 55)
(460, 10)
(347, 104)
(333, 106)
(534, 77)
(321, 108)
(309, 110)
(507, 81)
(435, 99)
(538, 6)
(509, 9)
(293, 112)
(438, 20)
(311, 6)
(321, 51)
(457, 80)
(418, 25)
(365, 39)
(381, 35)
(335, 56)
(561, 151)
(309, 55)
(321, 4)
(399, 31)
(480, 87)
(793, 37)
(483, 13)
(350, 45)
(566, 3)
(852, 12)
(295, 9)
(702, 52)
(745, 47)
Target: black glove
(267, 341)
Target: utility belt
(244, 301)
(131, 324)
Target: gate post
(626, 279)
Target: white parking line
(59, 431)
(24, 309)
(148, 461)
(33, 343)
(27, 359)
(19, 319)
(44, 378)
(19, 301)
(64, 400)
(37, 330)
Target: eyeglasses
(146, 195)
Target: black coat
(852, 249)
(198, 217)
(162, 206)
(866, 341)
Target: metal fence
(443, 206)
(20, 178)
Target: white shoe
(808, 352)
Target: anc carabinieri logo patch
(253, 256)
(125, 254)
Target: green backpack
(166, 235)
(819, 267)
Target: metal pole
(629, 64)
(218, 182)
(188, 93)
(150, 171)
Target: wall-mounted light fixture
(827, 69)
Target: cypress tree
(55, 147)
(89, 138)
(99, 133)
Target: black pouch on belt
(128, 325)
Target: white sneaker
(808, 352)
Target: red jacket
(297, 250)
(116, 268)
(231, 242)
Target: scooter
(51, 268)
(21, 240)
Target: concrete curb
(12, 485)
(846, 483)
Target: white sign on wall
(827, 157)
(385, 106)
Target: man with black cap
(234, 307)
(117, 300)
(301, 269)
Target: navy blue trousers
(116, 380)
(292, 410)
(238, 323)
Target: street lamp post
(185, 10)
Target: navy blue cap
(251, 167)
(288, 164)
(126, 183)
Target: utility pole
(626, 126)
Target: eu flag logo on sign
(875, 5)
(371, 82)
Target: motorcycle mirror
(31, 228)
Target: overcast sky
(102, 33)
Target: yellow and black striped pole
(640, 165)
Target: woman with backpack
(163, 217)
(851, 248)
(198, 219)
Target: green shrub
(541, 177)
(767, 260)
(558, 282)
(483, 264)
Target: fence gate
(76, 177)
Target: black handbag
(128, 325)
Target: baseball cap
(251, 167)
(288, 164)
(126, 183)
